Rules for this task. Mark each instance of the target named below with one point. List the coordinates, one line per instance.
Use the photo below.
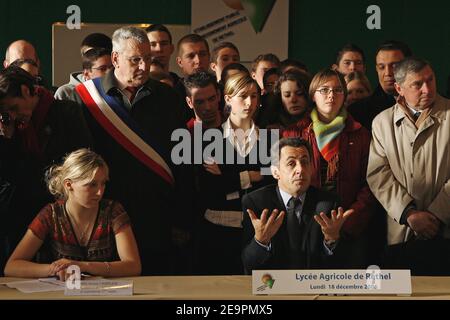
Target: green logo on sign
(256, 10)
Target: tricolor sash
(122, 127)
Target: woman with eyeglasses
(340, 148)
(289, 103)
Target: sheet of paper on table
(37, 285)
(91, 286)
(41, 285)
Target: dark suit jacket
(23, 191)
(256, 257)
(147, 198)
(365, 110)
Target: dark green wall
(33, 21)
(317, 28)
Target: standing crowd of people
(283, 169)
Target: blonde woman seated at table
(81, 228)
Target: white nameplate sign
(366, 281)
(101, 287)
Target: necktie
(133, 91)
(294, 234)
(416, 116)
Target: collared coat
(407, 164)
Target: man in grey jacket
(96, 62)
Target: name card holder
(342, 282)
(102, 287)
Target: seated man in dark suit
(297, 242)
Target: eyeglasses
(20, 62)
(5, 118)
(103, 68)
(326, 91)
(269, 86)
(356, 62)
(138, 60)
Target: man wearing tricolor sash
(131, 118)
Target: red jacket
(351, 180)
